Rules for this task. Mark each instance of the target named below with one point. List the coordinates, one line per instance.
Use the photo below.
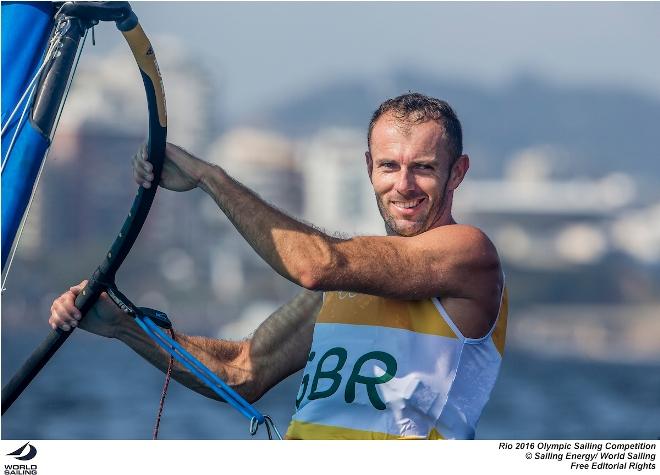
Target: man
(408, 338)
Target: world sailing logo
(32, 452)
(23, 453)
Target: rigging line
(55, 43)
(17, 130)
(20, 101)
(168, 376)
(270, 423)
(28, 89)
(43, 162)
(47, 58)
(31, 89)
(202, 372)
(51, 52)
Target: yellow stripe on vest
(499, 332)
(309, 431)
(419, 316)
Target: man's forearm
(277, 349)
(295, 250)
(227, 359)
(281, 344)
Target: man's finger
(145, 159)
(141, 165)
(73, 311)
(62, 310)
(57, 321)
(139, 178)
(76, 289)
(142, 171)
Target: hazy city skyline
(260, 54)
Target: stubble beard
(421, 225)
(391, 226)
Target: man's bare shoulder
(474, 298)
(464, 239)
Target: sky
(260, 54)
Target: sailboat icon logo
(31, 453)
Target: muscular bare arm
(448, 260)
(454, 261)
(278, 348)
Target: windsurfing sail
(26, 29)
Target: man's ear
(370, 164)
(458, 171)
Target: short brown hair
(415, 108)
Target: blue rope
(216, 384)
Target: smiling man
(400, 336)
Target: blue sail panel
(18, 180)
(26, 28)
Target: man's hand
(104, 318)
(181, 170)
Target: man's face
(409, 167)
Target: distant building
(338, 194)
(264, 162)
(540, 221)
(638, 233)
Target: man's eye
(421, 166)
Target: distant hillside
(603, 129)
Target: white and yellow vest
(394, 369)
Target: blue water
(95, 388)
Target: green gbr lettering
(332, 374)
(304, 382)
(370, 381)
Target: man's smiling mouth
(406, 205)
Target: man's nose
(405, 180)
